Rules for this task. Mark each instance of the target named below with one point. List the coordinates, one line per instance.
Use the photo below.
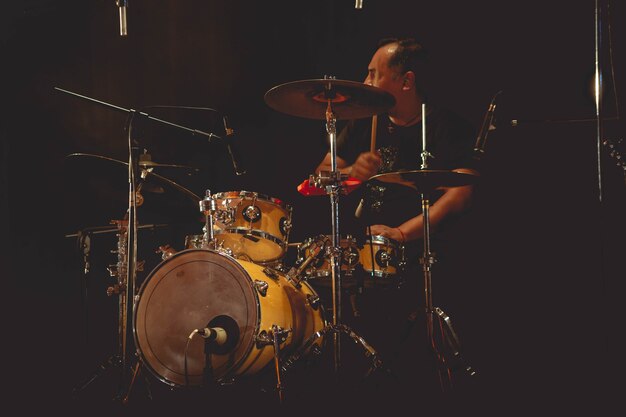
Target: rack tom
(254, 227)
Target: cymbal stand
(447, 333)
(332, 182)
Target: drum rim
(230, 373)
(258, 233)
(379, 274)
(384, 240)
(258, 196)
(349, 237)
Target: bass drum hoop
(148, 355)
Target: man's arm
(454, 200)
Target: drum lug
(251, 213)
(383, 257)
(313, 300)
(261, 287)
(285, 226)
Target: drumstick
(373, 137)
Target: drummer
(398, 66)
(391, 209)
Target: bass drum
(199, 288)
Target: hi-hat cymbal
(309, 99)
(425, 180)
(109, 178)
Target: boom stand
(127, 286)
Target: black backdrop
(538, 296)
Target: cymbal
(427, 179)
(151, 164)
(109, 178)
(309, 99)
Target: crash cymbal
(309, 99)
(427, 179)
(109, 178)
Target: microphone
(215, 335)
(358, 4)
(488, 124)
(122, 5)
(234, 155)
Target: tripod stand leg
(111, 361)
(306, 346)
(136, 371)
(370, 352)
(451, 340)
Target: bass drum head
(187, 292)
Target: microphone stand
(127, 288)
(83, 246)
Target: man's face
(380, 75)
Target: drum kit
(229, 284)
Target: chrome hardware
(383, 257)
(313, 300)
(166, 251)
(263, 339)
(116, 289)
(284, 226)
(261, 287)
(252, 213)
(270, 273)
(279, 333)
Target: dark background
(538, 264)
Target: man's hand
(386, 231)
(366, 166)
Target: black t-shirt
(449, 139)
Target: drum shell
(188, 290)
(381, 246)
(263, 239)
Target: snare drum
(255, 227)
(200, 288)
(387, 255)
